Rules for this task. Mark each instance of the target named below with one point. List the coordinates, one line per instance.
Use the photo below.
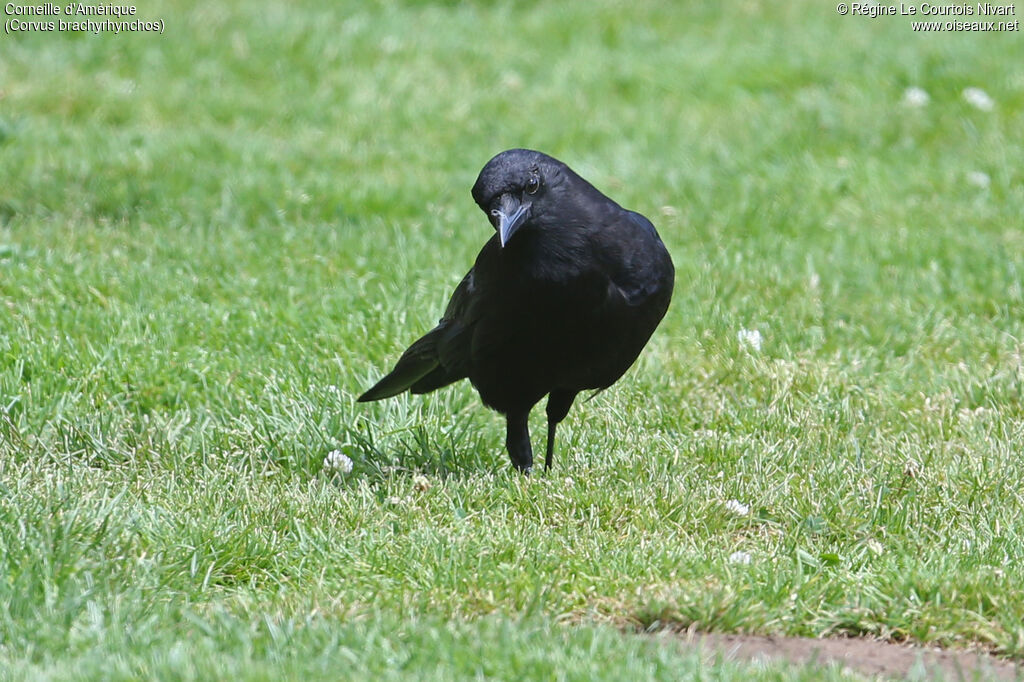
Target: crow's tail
(417, 362)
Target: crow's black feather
(561, 299)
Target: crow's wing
(636, 262)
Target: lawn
(212, 240)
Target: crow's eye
(533, 184)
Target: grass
(213, 239)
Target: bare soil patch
(865, 656)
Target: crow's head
(515, 188)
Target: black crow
(561, 299)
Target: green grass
(213, 239)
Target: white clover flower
(740, 558)
(510, 80)
(915, 97)
(750, 338)
(979, 99)
(338, 461)
(738, 508)
(421, 483)
(979, 179)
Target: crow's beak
(511, 214)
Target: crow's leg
(517, 440)
(559, 403)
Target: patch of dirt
(864, 656)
